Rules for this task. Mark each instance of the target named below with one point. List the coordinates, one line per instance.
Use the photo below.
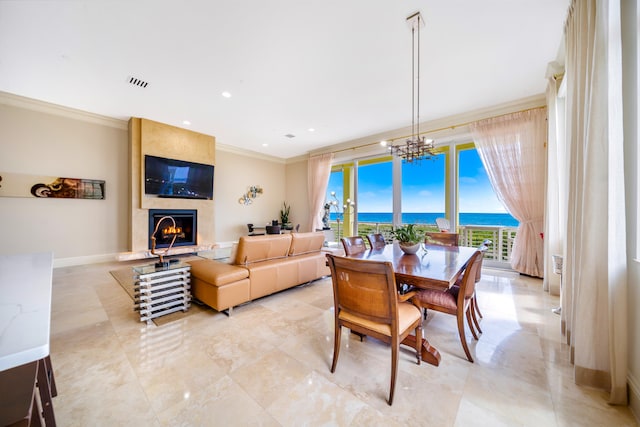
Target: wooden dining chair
(476, 314)
(456, 300)
(366, 301)
(484, 247)
(376, 241)
(353, 245)
(453, 239)
(442, 238)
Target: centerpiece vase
(409, 248)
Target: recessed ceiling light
(265, 145)
(226, 94)
(312, 130)
(186, 122)
(383, 143)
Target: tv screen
(177, 178)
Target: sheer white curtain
(594, 307)
(318, 178)
(555, 214)
(512, 149)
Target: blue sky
(423, 186)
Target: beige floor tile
(268, 363)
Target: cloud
(424, 193)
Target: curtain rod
(436, 130)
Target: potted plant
(409, 238)
(284, 215)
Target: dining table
(432, 267)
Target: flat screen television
(177, 178)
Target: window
(375, 196)
(424, 190)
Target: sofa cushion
(304, 243)
(217, 273)
(262, 248)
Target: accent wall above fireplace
(158, 139)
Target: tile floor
(268, 364)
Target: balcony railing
(498, 253)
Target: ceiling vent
(290, 135)
(137, 82)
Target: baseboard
(634, 396)
(129, 256)
(82, 260)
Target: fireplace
(185, 229)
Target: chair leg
(395, 348)
(473, 315)
(470, 322)
(419, 342)
(336, 346)
(44, 387)
(463, 339)
(476, 307)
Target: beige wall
(46, 139)
(297, 193)
(233, 175)
(37, 138)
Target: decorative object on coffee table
(168, 231)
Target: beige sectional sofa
(260, 266)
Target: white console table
(162, 290)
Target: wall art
(25, 185)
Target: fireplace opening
(185, 229)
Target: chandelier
(416, 147)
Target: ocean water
(503, 219)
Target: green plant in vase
(409, 238)
(284, 215)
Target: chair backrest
(353, 245)
(273, 229)
(376, 240)
(365, 288)
(443, 224)
(468, 283)
(443, 239)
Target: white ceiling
(342, 67)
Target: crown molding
(248, 153)
(58, 110)
(444, 130)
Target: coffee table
(162, 290)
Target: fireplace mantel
(181, 250)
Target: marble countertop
(25, 308)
